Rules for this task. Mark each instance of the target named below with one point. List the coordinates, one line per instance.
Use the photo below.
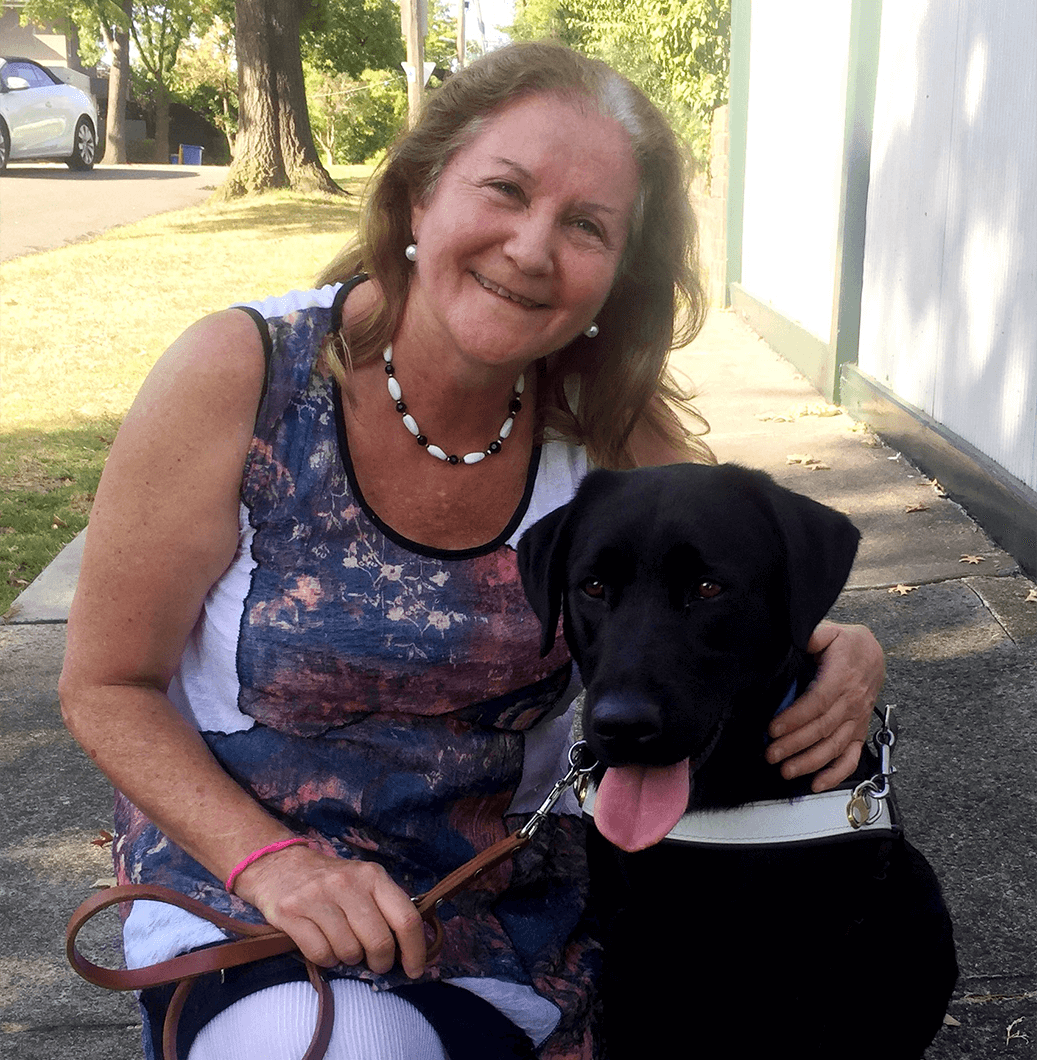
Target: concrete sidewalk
(959, 625)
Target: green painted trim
(862, 75)
(806, 352)
(737, 133)
(1002, 504)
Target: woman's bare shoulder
(224, 348)
(164, 525)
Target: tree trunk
(274, 147)
(118, 93)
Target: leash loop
(859, 810)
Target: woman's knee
(369, 1025)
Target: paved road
(47, 206)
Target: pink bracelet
(257, 854)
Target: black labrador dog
(688, 595)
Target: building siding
(794, 157)
(949, 300)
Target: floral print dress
(384, 698)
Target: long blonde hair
(656, 303)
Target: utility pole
(481, 25)
(461, 5)
(413, 16)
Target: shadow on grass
(47, 484)
(277, 218)
(282, 217)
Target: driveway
(46, 206)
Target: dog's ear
(542, 552)
(820, 546)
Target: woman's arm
(825, 729)
(163, 529)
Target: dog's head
(681, 589)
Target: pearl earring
(411, 253)
(591, 330)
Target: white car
(43, 119)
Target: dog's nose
(624, 724)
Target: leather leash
(259, 941)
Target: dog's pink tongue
(636, 806)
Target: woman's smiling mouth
(489, 285)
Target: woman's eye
(589, 227)
(593, 588)
(506, 188)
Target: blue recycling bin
(191, 155)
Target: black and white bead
(396, 393)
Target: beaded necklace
(514, 406)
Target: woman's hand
(337, 910)
(826, 727)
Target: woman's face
(520, 242)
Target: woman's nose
(530, 245)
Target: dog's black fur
(688, 595)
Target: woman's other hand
(338, 911)
(825, 729)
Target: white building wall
(48, 48)
(794, 153)
(949, 307)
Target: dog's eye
(593, 588)
(706, 589)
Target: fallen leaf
(903, 590)
(806, 461)
(104, 881)
(822, 409)
(916, 508)
(970, 559)
(938, 489)
(1031, 597)
(774, 417)
(950, 1021)
(58, 523)
(103, 839)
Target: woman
(299, 614)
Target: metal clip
(580, 764)
(884, 740)
(859, 810)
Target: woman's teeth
(504, 292)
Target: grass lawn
(80, 329)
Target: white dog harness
(864, 811)
(777, 822)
